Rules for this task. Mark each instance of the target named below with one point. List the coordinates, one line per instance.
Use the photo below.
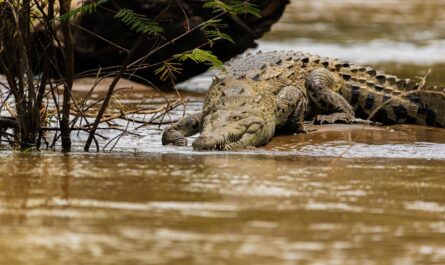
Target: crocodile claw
(173, 137)
(180, 142)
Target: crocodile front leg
(320, 85)
(291, 109)
(177, 133)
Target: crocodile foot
(173, 137)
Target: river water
(340, 195)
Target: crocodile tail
(430, 107)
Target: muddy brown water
(340, 195)
(220, 209)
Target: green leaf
(168, 70)
(84, 9)
(200, 56)
(139, 23)
(233, 7)
(213, 23)
(212, 29)
(214, 35)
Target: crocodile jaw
(229, 142)
(252, 131)
(217, 143)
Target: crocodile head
(236, 124)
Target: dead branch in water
(69, 75)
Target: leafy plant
(200, 56)
(233, 7)
(212, 29)
(139, 23)
(168, 70)
(84, 9)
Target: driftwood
(176, 17)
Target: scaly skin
(258, 94)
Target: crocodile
(257, 95)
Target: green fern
(214, 35)
(139, 23)
(168, 70)
(233, 7)
(200, 56)
(212, 29)
(213, 23)
(84, 9)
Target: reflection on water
(285, 203)
(351, 21)
(219, 209)
(401, 141)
